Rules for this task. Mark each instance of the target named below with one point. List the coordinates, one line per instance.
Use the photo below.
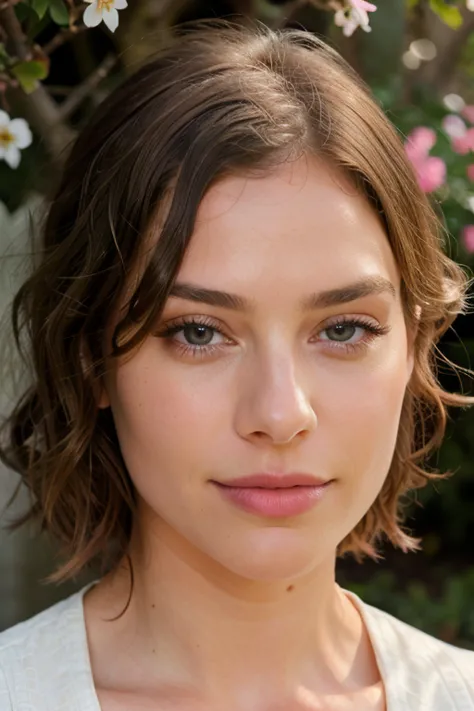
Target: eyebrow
(323, 299)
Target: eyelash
(372, 330)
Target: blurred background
(418, 58)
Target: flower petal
(21, 132)
(4, 118)
(468, 238)
(92, 15)
(349, 28)
(431, 173)
(2, 152)
(468, 112)
(111, 19)
(363, 5)
(12, 156)
(454, 126)
(120, 4)
(419, 142)
(461, 145)
(360, 17)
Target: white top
(45, 664)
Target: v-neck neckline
(379, 636)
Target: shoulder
(425, 667)
(37, 651)
(32, 635)
(5, 698)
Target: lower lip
(274, 502)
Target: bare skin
(232, 610)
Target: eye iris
(341, 332)
(202, 335)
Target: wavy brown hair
(219, 100)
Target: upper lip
(275, 481)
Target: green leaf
(28, 74)
(450, 15)
(40, 7)
(59, 13)
(24, 12)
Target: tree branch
(14, 33)
(62, 37)
(452, 53)
(80, 93)
(450, 43)
(6, 80)
(8, 3)
(39, 108)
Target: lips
(274, 495)
(274, 481)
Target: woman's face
(306, 375)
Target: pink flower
(464, 144)
(470, 171)
(468, 113)
(468, 238)
(430, 170)
(431, 173)
(419, 142)
(354, 15)
(363, 5)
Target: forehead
(304, 224)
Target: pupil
(202, 335)
(342, 332)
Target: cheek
(364, 419)
(165, 422)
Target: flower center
(5, 137)
(106, 5)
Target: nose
(274, 406)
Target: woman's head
(253, 163)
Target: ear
(102, 398)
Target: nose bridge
(275, 399)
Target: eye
(341, 332)
(351, 333)
(194, 336)
(199, 336)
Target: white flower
(105, 10)
(355, 15)
(15, 134)
(454, 126)
(470, 5)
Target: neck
(193, 624)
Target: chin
(276, 554)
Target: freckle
(289, 588)
(153, 605)
(153, 651)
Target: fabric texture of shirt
(45, 664)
